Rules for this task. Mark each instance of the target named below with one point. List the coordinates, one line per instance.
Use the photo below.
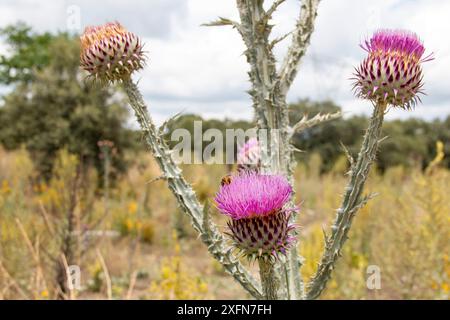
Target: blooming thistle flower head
(110, 53)
(249, 156)
(259, 224)
(392, 72)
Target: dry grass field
(131, 241)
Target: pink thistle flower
(259, 225)
(253, 195)
(249, 156)
(392, 72)
(110, 52)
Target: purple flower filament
(391, 73)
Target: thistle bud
(391, 73)
(110, 53)
(249, 156)
(259, 224)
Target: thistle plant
(259, 198)
(97, 37)
(390, 75)
(260, 226)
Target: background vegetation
(51, 104)
(77, 187)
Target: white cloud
(334, 51)
(202, 70)
(42, 15)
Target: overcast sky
(202, 70)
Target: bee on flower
(259, 225)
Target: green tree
(326, 139)
(409, 142)
(28, 52)
(187, 122)
(52, 106)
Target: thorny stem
(351, 203)
(185, 196)
(255, 32)
(300, 42)
(269, 89)
(269, 280)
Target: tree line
(51, 106)
(408, 143)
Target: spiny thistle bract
(259, 225)
(110, 53)
(392, 72)
(249, 156)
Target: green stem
(269, 280)
(351, 203)
(185, 195)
